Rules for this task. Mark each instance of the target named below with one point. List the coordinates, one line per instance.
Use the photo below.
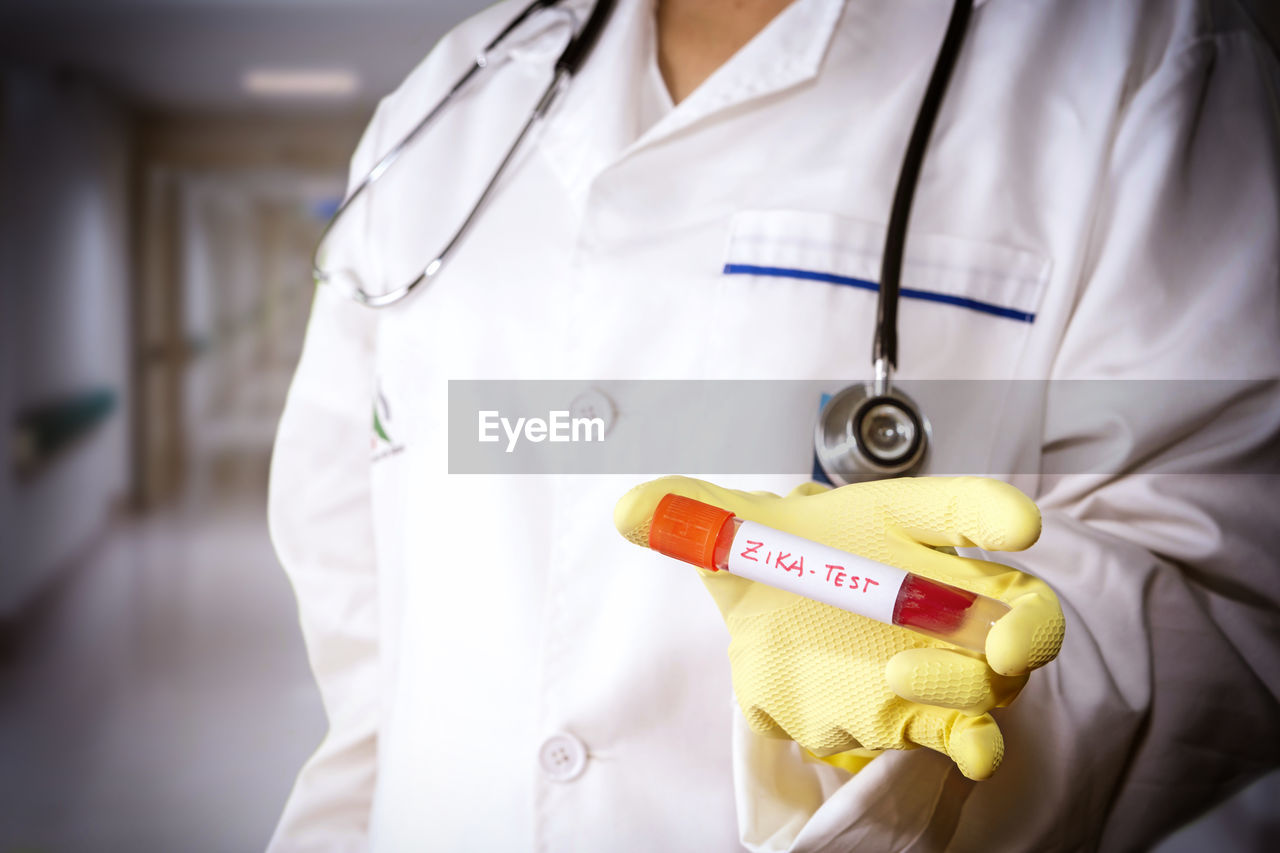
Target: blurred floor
(158, 697)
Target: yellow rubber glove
(834, 681)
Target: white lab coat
(1110, 168)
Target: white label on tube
(816, 571)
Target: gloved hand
(834, 681)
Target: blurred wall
(65, 176)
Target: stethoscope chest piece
(862, 435)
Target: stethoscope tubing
(569, 62)
(884, 349)
(879, 395)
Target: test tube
(716, 539)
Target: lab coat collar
(596, 120)
(786, 53)
(596, 124)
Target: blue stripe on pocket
(906, 292)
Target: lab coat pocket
(967, 307)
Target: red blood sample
(932, 607)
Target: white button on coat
(563, 757)
(594, 403)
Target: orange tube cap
(687, 530)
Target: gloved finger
(949, 678)
(964, 512)
(1028, 636)
(634, 510)
(760, 722)
(973, 743)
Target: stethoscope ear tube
(571, 59)
(885, 346)
(875, 431)
(581, 45)
(525, 13)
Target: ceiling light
(300, 82)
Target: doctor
(501, 671)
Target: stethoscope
(865, 431)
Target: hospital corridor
(160, 205)
(154, 685)
(166, 169)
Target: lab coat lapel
(786, 53)
(597, 123)
(597, 120)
